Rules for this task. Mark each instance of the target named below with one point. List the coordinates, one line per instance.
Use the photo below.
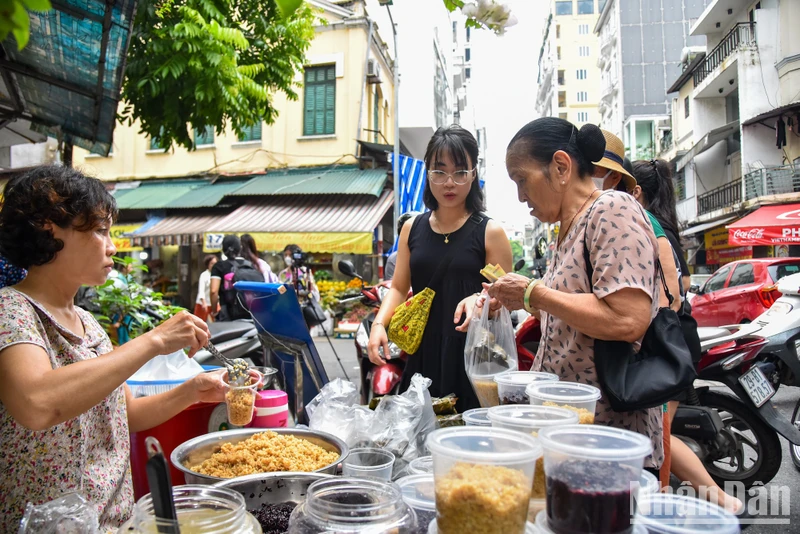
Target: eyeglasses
(441, 177)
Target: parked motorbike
(376, 380)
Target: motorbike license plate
(757, 386)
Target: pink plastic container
(271, 409)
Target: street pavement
(788, 477)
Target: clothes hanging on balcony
(780, 134)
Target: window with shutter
(204, 137)
(320, 101)
(253, 133)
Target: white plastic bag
(333, 410)
(70, 514)
(491, 349)
(175, 366)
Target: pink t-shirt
(623, 250)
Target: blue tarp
(67, 79)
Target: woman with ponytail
(550, 161)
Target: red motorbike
(376, 380)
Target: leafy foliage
(116, 301)
(14, 18)
(517, 251)
(198, 63)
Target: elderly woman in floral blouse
(550, 160)
(65, 411)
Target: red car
(741, 291)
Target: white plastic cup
(593, 469)
(418, 493)
(369, 462)
(511, 385)
(483, 479)
(421, 466)
(580, 397)
(665, 513)
(476, 417)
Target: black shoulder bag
(659, 372)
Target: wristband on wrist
(378, 323)
(528, 291)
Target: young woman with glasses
(454, 231)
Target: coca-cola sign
(747, 235)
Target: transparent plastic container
(594, 469)
(648, 484)
(419, 494)
(269, 378)
(530, 528)
(543, 526)
(240, 400)
(201, 510)
(664, 513)
(476, 417)
(483, 479)
(530, 419)
(353, 506)
(511, 385)
(421, 466)
(579, 397)
(369, 462)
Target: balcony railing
(772, 181)
(722, 197)
(743, 33)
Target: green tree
(14, 18)
(199, 63)
(517, 251)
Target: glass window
(583, 96)
(686, 108)
(467, 54)
(155, 142)
(743, 275)
(783, 269)
(320, 101)
(564, 7)
(468, 73)
(558, 52)
(583, 116)
(204, 137)
(468, 34)
(601, 5)
(585, 7)
(583, 51)
(251, 133)
(561, 77)
(562, 99)
(581, 74)
(562, 116)
(583, 29)
(558, 31)
(717, 282)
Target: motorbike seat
(708, 333)
(227, 330)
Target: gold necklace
(563, 235)
(447, 235)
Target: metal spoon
(238, 370)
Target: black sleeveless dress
(440, 356)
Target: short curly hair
(49, 194)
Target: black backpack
(238, 302)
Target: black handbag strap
(590, 268)
(476, 221)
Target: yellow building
(570, 85)
(346, 97)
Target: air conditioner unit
(373, 71)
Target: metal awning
(705, 226)
(174, 230)
(331, 213)
(67, 79)
(345, 180)
(175, 194)
(709, 140)
(777, 112)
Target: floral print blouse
(89, 454)
(623, 250)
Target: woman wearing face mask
(305, 278)
(550, 161)
(455, 231)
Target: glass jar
(201, 509)
(353, 506)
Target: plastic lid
(563, 392)
(418, 492)
(648, 484)
(665, 513)
(530, 528)
(521, 378)
(544, 526)
(421, 466)
(269, 398)
(483, 445)
(596, 442)
(477, 417)
(532, 417)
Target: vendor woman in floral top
(65, 411)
